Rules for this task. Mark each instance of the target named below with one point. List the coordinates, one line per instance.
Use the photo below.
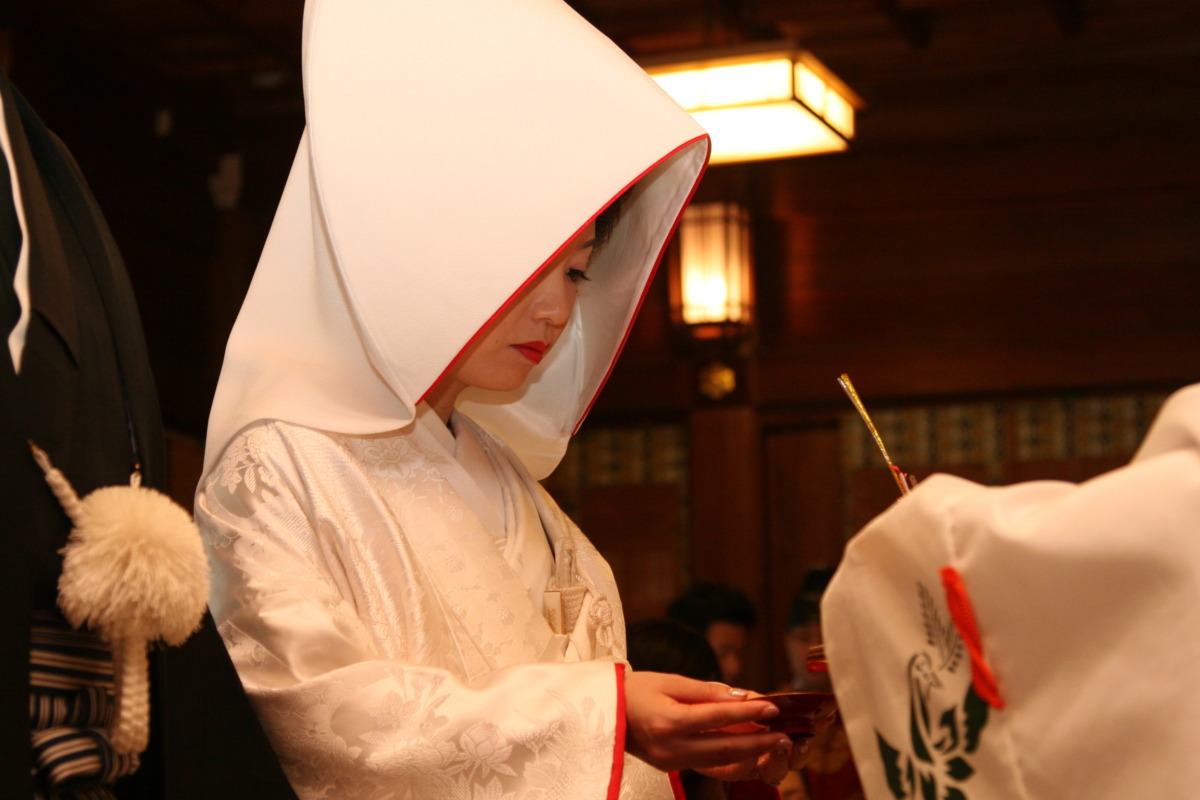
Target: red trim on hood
(563, 246)
(504, 306)
(653, 269)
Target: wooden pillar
(728, 542)
(804, 520)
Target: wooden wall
(1016, 226)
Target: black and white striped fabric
(70, 707)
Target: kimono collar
(43, 267)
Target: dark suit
(85, 394)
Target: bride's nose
(553, 299)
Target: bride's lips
(534, 351)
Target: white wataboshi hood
(452, 149)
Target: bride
(475, 211)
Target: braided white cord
(130, 730)
(59, 485)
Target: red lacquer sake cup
(802, 713)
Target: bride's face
(502, 357)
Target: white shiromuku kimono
(411, 614)
(385, 632)
(1031, 642)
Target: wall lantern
(771, 101)
(715, 285)
(712, 292)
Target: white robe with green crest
(1037, 641)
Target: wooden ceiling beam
(914, 25)
(1069, 14)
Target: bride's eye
(577, 275)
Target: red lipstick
(534, 351)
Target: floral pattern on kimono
(388, 647)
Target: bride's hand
(676, 723)
(770, 767)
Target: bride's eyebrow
(590, 247)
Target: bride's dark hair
(607, 219)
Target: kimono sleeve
(358, 703)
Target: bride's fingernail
(783, 746)
(737, 692)
(769, 711)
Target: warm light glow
(767, 105)
(811, 89)
(729, 85)
(778, 130)
(714, 255)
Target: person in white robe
(444, 290)
(1038, 641)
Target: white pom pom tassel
(134, 566)
(134, 570)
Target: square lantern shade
(715, 282)
(765, 103)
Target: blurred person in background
(726, 617)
